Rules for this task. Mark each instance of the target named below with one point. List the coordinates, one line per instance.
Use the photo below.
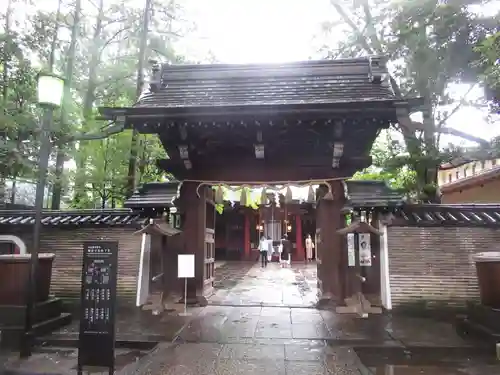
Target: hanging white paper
(351, 251)
(365, 252)
(185, 266)
(144, 266)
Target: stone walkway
(248, 284)
(277, 340)
(260, 321)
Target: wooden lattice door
(209, 257)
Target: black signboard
(97, 320)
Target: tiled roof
(371, 194)
(308, 82)
(474, 180)
(117, 217)
(456, 162)
(159, 227)
(485, 215)
(361, 194)
(153, 195)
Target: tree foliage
(489, 65)
(102, 48)
(430, 46)
(95, 46)
(389, 165)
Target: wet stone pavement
(248, 284)
(62, 360)
(261, 322)
(132, 324)
(278, 340)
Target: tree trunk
(5, 91)
(369, 41)
(70, 65)
(372, 45)
(88, 101)
(132, 164)
(53, 45)
(13, 190)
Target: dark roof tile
(465, 215)
(116, 217)
(153, 195)
(309, 82)
(371, 194)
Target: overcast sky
(249, 31)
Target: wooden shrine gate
(308, 122)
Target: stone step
(11, 336)
(11, 316)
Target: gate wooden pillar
(194, 231)
(329, 244)
(246, 237)
(299, 241)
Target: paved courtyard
(282, 340)
(262, 321)
(248, 284)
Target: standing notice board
(185, 266)
(96, 343)
(185, 270)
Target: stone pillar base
(327, 301)
(195, 301)
(358, 304)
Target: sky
(253, 31)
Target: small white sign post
(185, 269)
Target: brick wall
(483, 192)
(432, 266)
(67, 245)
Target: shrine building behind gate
(422, 261)
(300, 122)
(297, 123)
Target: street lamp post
(49, 91)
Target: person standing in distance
(309, 248)
(263, 251)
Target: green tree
(18, 114)
(118, 73)
(96, 45)
(66, 110)
(489, 65)
(430, 46)
(397, 175)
